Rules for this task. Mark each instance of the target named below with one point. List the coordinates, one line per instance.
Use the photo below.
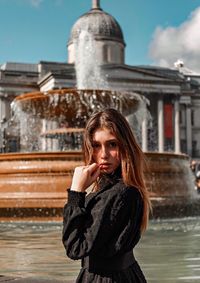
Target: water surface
(168, 252)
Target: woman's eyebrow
(113, 139)
(109, 140)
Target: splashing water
(88, 71)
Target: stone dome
(101, 24)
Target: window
(105, 53)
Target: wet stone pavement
(29, 280)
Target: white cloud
(182, 42)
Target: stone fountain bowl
(75, 103)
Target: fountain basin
(75, 103)
(33, 185)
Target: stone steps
(32, 199)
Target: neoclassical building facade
(173, 94)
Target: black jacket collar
(108, 180)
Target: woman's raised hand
(84, 176)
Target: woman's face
(105, 150)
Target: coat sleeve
(88, 231)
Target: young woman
(102, 227)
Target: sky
(156, 32)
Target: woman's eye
(113, 144)
(95, 145)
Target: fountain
(33, 181)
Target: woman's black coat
(102, 229)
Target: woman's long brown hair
(132, 157)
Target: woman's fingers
(93, 167)
(92, 172)
(95, 171)
(84, 176)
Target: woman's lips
(104, 165)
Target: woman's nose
(104, 152)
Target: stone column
(43, 139)
(177, 127)
(188, 130)
(4, 116)
(49, 143)
(144, 134)
(54, 141)
(3, 110)
(160, 126)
